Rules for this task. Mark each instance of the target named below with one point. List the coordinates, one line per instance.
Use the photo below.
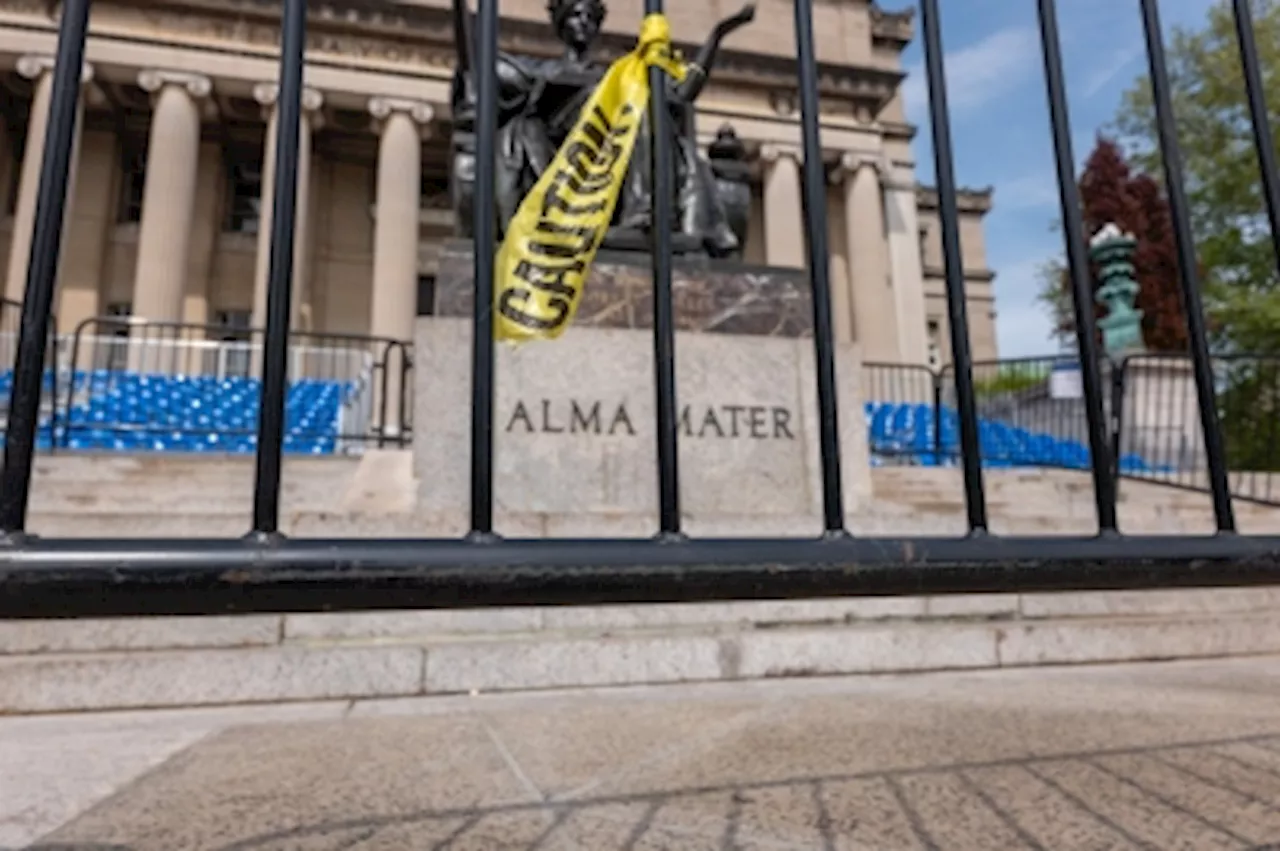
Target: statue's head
(576, 22)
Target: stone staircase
(57, 666)
(373, 496)
(60, 666)
(1045, 502)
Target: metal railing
(1157, 421)
(268, 572)
(1031, 413)
(132, 383)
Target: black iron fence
(267, 572)
(164, 386)
(1032, 413)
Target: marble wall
(719, 297)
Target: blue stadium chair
(128, 412)
(908, 430)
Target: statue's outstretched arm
(515, 87)
(700, 69)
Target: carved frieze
(416, 37)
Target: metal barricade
(164, 386)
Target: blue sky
(1000, 124)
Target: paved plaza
(1157, 756)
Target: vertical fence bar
(1116, 421)
(1262, 137)
(663, 312)
(1078, 263)
(814, 198)
(1274, 415)
(42, 270)
(1179, 209)
(275, 345)
(484, 231)
(949, 216)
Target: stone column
(396, 228)
(40, 70)
(312, 101)
(396, 231)
(875, 315)
(783, 207)
(169, 196)
(902, 219)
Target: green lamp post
(1121, 328)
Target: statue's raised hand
(746, 16)
(689, 90)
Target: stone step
(52, 666)
(231, 518)
(517, 661)
(168, 501)
(114, 467)
(138, 524)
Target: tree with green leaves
(1241, 284)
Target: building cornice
(971, 276)
(898, 130)
(894, 28)
(967, 200)
(407, 35)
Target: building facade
(169, 217)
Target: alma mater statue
(539, 101)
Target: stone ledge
(1084, 640)
(202, 677)
(79, 636)
(866, 650)
(511, 665)
(403, 624)
(1128, 603)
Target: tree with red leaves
(1111, 192)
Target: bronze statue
(539, 102)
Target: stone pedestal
(574, 431)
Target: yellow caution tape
(542, 264)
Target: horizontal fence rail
(968, 415)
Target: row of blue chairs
(911, 432)
(132, 412)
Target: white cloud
(1106, 71)
(978, 73)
